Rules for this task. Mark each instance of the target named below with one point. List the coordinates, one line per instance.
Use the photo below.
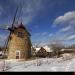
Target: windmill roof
(23, 27)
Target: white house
(47, 48)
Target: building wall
(21, 44)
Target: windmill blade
(8, 38)
(4, 27)
(6, 43)
(14, 18)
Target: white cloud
(50, 34)
(41, 34)
(3, 38)
(30, 9)
(44, 33)
(1, 10)
(67, 25)
(36, 26)
(71, 37)
(66, 18)
(65, 29)
(37, 34)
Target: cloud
(67, 18)
(51, 34)
(36, 26)
(71, 37)
(30, 9)
(41, 34)
(44, 33)
(65, 29)
(3, 39)
(1, 10)
(66, 23)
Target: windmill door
(17, 54)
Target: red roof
(23, 27)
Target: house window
(20, 34)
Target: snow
(66, 49)
(42, 64)
(48, 49)
(67, 56)
(1, 53)
(37, 49)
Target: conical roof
(20, 26)
(23, 27)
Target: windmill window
(20, 34)
(10, 37)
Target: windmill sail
(20, 41)
(14, 18)
(8, 38)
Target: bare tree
(56, 46)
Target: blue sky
(47, 20)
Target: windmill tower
(18, 44)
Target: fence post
(3, 68)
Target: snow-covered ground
(44, 64)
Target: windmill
(9, 29)
(20, 45)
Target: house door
(17, 54)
